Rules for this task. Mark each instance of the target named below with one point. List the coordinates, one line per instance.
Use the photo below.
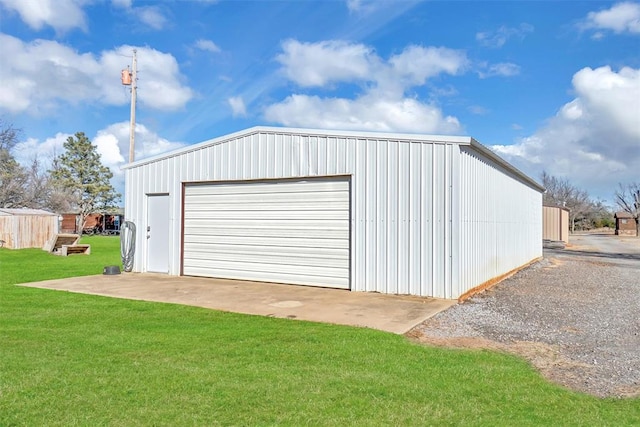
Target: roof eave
(493, 156)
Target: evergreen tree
(80, 174)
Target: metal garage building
(423, 215)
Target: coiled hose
(127, 244)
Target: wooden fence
(27, 231)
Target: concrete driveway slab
(391, 313)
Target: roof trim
(623, 215)
(408, 137)
(493, 156)
(564, 208)
(26, 211)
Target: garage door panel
(260, 188)
(211, 234)
(267, 215)
(256, 259)
(202, 250)
(288, 231)
(298, 205)
(300, 223)
(293, 279)
(274, 242)
(269, 198)
(240, 266)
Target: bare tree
(9, 136)
(13, 181)
(28, 187)
(560, 192)
(628, 198)
(13, 177)
(38, 188)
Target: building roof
(623, 214)
(24, 211)
(564, 208)
(405, 137)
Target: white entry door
(158, 233)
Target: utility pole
(134, 87)
(130, 78)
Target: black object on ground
(111, 269)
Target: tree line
(75, 182)
(586, 213)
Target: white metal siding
(500, 221)
(294, 232)
(429, 215)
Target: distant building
(555, 223)
(625, 224)
(93, 223)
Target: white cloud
(207, 46)
(108, 145)
(122, 3)
(112, 143)
(42, 74)
(593, 140)
(151, 16)
(478, 110)
(317, 64)
(499, 37)
(26, 151)
(362, 6)
(327, 62)
(502, 69)
(365, 113)
(61, 15)
(237, 106)
(416, 64)
(383, 103)
(620, 18)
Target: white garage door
(293, 232)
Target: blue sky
(548, 85)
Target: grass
(70, 359)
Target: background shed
(26, 228)
(427, 215)
(625, 224)
(555, 223)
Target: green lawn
(69, 359)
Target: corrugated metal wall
(555, 223)
(406, 226)
(500, 221)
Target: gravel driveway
(575, 315)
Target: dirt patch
(546, 359)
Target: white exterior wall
(406, 201)
(500, 221)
